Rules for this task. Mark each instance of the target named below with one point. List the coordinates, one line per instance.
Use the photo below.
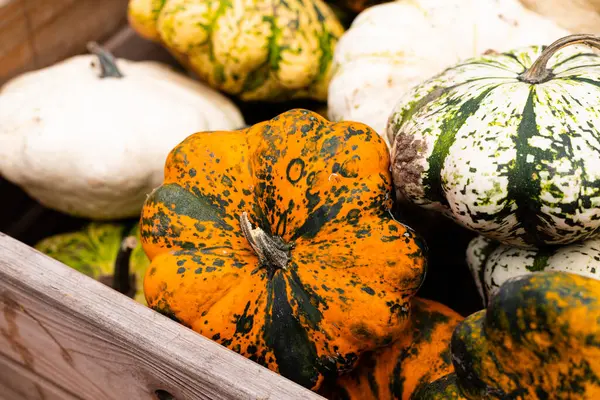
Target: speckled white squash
(492, 263)
(506, 148)
(94, 146)
(392, 47)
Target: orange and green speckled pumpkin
(277, 242)
(418, 358)
(538, 339)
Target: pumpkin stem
(272, 252)
(538, 73)
(121, 278)
(107, 61)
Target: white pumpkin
(94, 146)
(392, 47)
(492, 263)
(575, 15)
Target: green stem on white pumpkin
(107, 61)
(121, 278)
(272, 252)
(539, 73)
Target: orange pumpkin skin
(322, 188)
(418, 358)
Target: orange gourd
(277, 241)
(538, 339)
(396, 371)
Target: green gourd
(107, 252)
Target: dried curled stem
(272, 252)
(539, 73)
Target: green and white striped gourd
(508, 145)
(492, 263)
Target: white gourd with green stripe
(507, 147)
(492, 263)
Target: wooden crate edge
(59, 318)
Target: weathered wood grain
(93, 343)
(18, 382)
(38, 33)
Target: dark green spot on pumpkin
(244, 322)
(295, 170)
(368, 290)
(283, 331)
(317, 219)
(362, 331)
(162, 307)
(353, 216)
(225, 180)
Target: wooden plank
(38, 33)
(16, 52)
(95, 343)
(18, 382)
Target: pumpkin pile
(287, 239)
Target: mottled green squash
(253, 49)
(394, 372)
(94, 250)
(538, 339)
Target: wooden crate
(64, 335)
